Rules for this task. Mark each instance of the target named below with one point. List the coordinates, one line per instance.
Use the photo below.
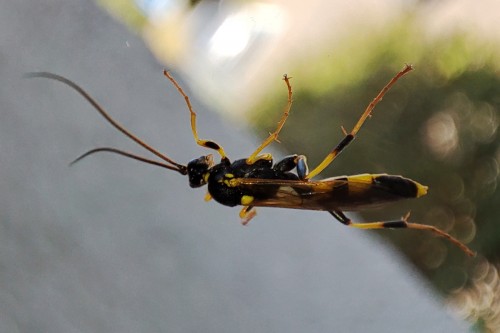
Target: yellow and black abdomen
(348, 193)
(367, 190)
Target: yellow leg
(246, 214)
(402, 224)
(350, 136)
(204, 143)
(274, 136)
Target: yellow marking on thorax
(205, 177)
(246, 200)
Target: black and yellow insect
(256, 181)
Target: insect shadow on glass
(256, 181)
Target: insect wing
(290, 193)
(349, 193)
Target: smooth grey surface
(112, 245)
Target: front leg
(246, 214)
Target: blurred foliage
(480, 301)
(438, 125)
(125, 11)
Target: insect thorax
(220, 176)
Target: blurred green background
(438, 125)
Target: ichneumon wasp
(256, 181)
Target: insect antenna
(172, 165)
(182, 171)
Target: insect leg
(401, 224)
(204, 143)
(349, 137)
(247, 213)
(274, 135)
